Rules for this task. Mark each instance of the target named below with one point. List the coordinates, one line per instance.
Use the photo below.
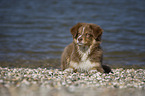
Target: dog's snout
(80, 39)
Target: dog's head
(86, 33)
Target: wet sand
(44, 82)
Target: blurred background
(33, 33)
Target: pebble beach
(18, 80)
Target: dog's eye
(79, 34)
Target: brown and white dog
(84, 54)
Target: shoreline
(57, 66)
(121, 78)
(30, 82)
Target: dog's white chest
(84, 64)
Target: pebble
(120, 78)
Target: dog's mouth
(81, 44)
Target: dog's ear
(74, 29)
(97, 31)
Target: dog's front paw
(93, 71)
(68, 70)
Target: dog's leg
(100, 69)
(93, 70)
(69, 70)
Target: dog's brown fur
(85, 52)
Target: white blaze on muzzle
(81, 35)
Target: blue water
(35, 32)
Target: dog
(84, 54)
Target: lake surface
(33, 33)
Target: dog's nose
(80, 39)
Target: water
(33, 33)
